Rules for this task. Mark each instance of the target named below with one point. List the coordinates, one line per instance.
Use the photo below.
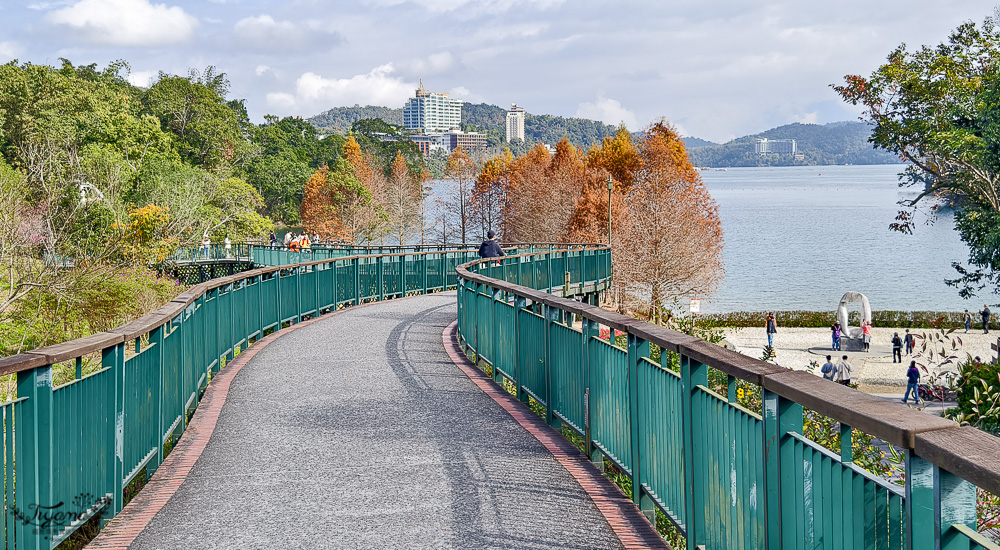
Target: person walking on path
(967, 317)
(772, 328)
(985, 313)
(897, 348)
(828, 369)
(835, 329)
(274, 239)
(206, 245)
(866, 334)
(912, 379)
(908, 341)
(229, 247)
(288, 239)
(490, 248)
(844, 369)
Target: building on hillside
(468, 141)
(432, 112)
(765, 147)
(515, 123)
(424, 142)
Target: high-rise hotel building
(431, 112)
(515, 122)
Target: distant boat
(722, 169)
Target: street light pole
(611, 185)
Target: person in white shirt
(844, 369)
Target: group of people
(294, 242)
(840, 372)
(983, 313)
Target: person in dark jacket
(985, 314)
(912, 379)
(490, 248)
(897, 348)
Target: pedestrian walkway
(358, 431)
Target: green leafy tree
(938, 109)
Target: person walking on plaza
(772, 328)
(844, 369)
(490, 248)
(828, 369)
(967, 317)
(985, 313)
(908, 341)
(866, 334)
(912, 379)
(897, 348)
(835, 329)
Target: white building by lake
(515, 123)
(432, 112)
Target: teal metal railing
(725, 476)
(69, 450)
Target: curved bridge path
(357, 430)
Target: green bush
(816, 319)
(978, 382)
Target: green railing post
(380, 277)
(495, 295)
(475, 321)
(781, 416)
(551, 315)
(156, 339)
(34, 455)
(402, 276)
(519, 304)
(423, 263)
(693, 374)
(936, 500)
(298, 294)
(356, 269)
(590, 329)
(114, 358)
(637, 350)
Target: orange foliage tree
(317, 212)
(372, 220)
(490, 195)
(667, 237)
(404, 198)
(461, 171)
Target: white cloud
(807, 118)
(262, 69)
(314, 93)
(608, 111)
(433, 64)
(264, 34)
(126, 22)
(142, 79)
(472, 7)
(8, 51)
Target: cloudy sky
(717, 70)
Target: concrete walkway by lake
(358, 431)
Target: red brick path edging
(625, 519)
(122, 530)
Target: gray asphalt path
(358, 432)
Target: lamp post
(611, 185)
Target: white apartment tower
(515, 122)
(431, 112)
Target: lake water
(799, 237)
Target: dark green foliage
(291, 151)
(693, 142)
(340, 119)
(980, 229)
(973, 376)
(581, 132)
(835, 143)
(370, 134)
(901, 319)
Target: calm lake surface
(799, 237)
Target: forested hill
(480, 117)
(834, 143)
(339, 119)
